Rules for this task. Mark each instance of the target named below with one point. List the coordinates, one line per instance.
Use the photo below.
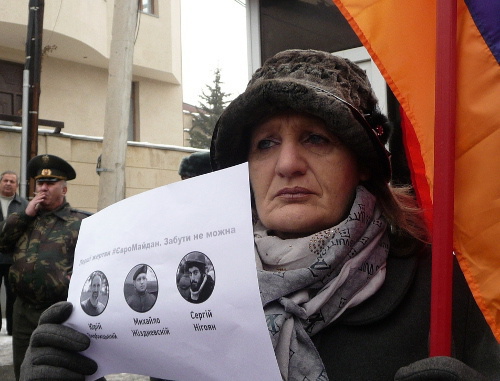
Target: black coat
(391, 329)
(18, 204)
(205, 292)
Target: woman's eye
(316, 139)
(265, 144)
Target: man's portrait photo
(95, 294)
(141, 288)
(195, 277)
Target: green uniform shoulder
(83, 213)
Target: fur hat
(314, 82)
(197, 259)
(198, 163)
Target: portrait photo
(195, 277)
(95, 294)
(141, 288)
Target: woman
(344, 270)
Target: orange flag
(401, 38)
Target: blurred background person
(198, 163)
(10, 202)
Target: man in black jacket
(202, 284)
(10, 202)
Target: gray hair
(9, 173)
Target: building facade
(73, 89)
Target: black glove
(53, 351)
(438, 369)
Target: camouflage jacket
(43, 248)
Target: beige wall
(147, 166)
(74, 75)
(74, 89)
(188, 124)
(157, 51)
(81, 30)
(76, 95)
(160, 112)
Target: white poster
(164, 284)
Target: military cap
(141, 270)
(50, 168)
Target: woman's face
(303, 178)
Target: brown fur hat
(314, 82)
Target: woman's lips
(293, 193)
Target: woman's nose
(290, 161)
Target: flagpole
(444, 168)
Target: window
(133, 133)
(147, 6)
(11, 88)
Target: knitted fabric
(314, 82)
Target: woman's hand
(53, 351)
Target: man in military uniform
(10, 202)
(141, 300)
(42, 239)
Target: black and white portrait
(195, 277)
(95, 294)
(141, 288)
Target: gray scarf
(307, 283)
